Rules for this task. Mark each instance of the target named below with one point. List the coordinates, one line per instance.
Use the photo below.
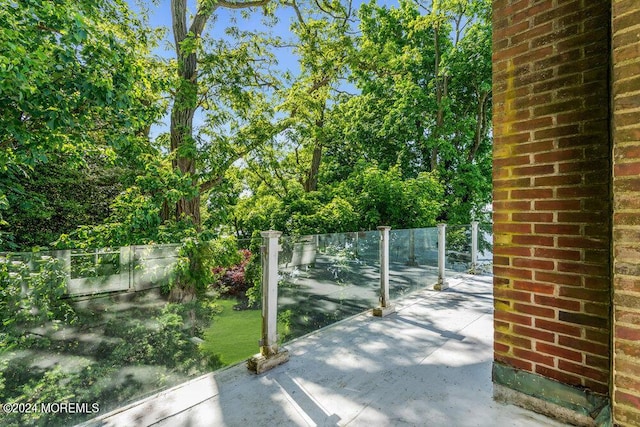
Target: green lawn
(233, 334)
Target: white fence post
(474, 247)
(385, 306)
(270, 356)
(442, 243)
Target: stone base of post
(384, 311)
(260, 363)
(441, 285)
(474, 270)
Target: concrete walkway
(427, 365)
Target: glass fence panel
(95, 263)
(485, 247)
(413, 260)
(234, 332)
(249, 243)
(458, 252)
(151, 266)
(326, 278)
(99, 327)
(418, 246)
(109, 349)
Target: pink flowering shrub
(232, 281)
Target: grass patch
(233, 335)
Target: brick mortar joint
(634, 310)
(615, 31)
(621, 64)
(619, 111)
(632, 377)
(632, 343)
(628, 93)
(617, 48)
(628, 293)
(624, 358)
(626, 144)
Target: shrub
(232, 280)
(31, 291)
(197, 261)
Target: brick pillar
(626, 210)
(552, 204)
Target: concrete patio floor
(429, 364)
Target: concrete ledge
(549, 397)
(161, 406)
(384, 311)
(259, 363)
(506, 395)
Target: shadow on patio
(429, 364)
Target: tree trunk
(311, 182)
(181, 140)
(184, 107)
(441, 93)
(481, 125)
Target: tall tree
(323, 45)
(425, 80)
(321, 41)
(188, 38)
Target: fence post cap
(384, 227)
(271, 233)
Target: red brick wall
(552, 172)
(626, 206)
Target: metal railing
(128, 345)
(324, 278)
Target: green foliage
(425, 100)
(31, 291)
(369, 197)
(158, 339)
(76, 89)
(197, 263)
(56, 198)
(384, 198)
(298, 213)
(416, 131)
(69, 69)
(136, 216)
(45, 390)
(253, 271)
(410, 145)
(312, 213)
(6, 237)
(167, 342)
